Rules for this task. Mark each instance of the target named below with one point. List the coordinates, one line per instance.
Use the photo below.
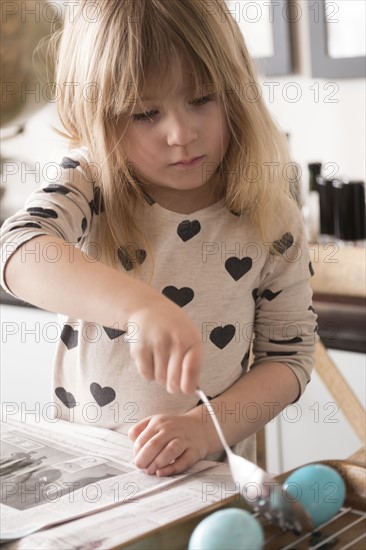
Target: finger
(138, 428)
(149, 450)
(180, 465)
(144, 362)
(174, 373)
(161, 359)
(191, 367)
(171, 452)
(146, 434)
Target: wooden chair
(343, 395)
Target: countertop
(9, 300)
(339, 287)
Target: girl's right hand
(168, 347)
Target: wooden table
(176, 535)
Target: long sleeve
(285, 320)
(63, 207)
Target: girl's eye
(148, 116)
(144, 117)
(203, 100)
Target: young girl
(170, 241)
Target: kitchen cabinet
(315, 428)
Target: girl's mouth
(193, 161)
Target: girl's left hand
(166, 445)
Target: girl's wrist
(209, 437)
(134, 296)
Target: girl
(170, 240)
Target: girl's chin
(176, 186)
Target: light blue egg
(319, 488)
(230, 529)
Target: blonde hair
(113, 50)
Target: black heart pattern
(28, 224)
(148, 197)
(180, 296)
(311, 269)
(55, 188)
(295, 340)
(66, 397)
(42, 212)
(129, 259)
(140, 256)
(255, 294)
(244, 362)
(222, 336)
(69, 336)
(97, 203)
(102, 396)
(188, 229)
(238, 268)
(269, 295)
(125, 258)
(113, 333)
(69, 163)
(278, 353)
(282, 244)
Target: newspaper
(56, 472)
(126, 524)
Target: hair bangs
(158, 57)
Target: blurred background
(311, 71)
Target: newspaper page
(135, 518)
(55, 472)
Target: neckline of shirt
(171, 214)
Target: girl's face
(177, 140)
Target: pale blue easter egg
(319, 489)
(230, 529)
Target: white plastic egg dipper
(260, 489)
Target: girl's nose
(181, 130)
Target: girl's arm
(169, 347)
(269, 386)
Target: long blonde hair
(108, 51)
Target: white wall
(320, 130)
(324, 117)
